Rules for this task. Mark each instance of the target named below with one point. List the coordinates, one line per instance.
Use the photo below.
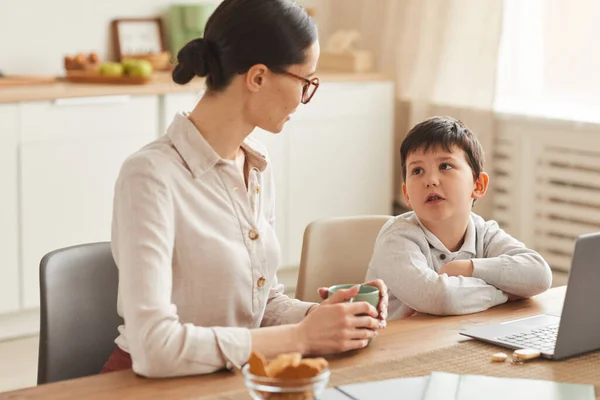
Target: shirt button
(443, 256)
(257, 189)
(261, 281)
(253, 234)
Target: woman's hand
(347, 294)
(335, 326)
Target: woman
(193, 233)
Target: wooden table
(401, 338)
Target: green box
(186, 22)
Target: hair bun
(192, 60)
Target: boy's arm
(400, 262)
(510, 266)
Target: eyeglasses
(308, 89)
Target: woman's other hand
(336, 326)
(347, 294)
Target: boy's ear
(405, 195)
(481, 186)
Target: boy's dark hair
(443, 132)
(243, 33)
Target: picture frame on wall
(137, 36)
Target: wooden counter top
(160, 84)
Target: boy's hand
(457, 268)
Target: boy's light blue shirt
(408, 257)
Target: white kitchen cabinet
(71, 152)
(9, 233)
(340, 157)
(171, 103)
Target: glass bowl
(262, 388)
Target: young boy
(441, 258)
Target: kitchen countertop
(160, 84)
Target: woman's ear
(256, 76)
(481, 186)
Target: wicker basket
(159, 61)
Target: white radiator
(546, 183)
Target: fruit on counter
(137, 68)
(89, 64)
(81, 61)
(128, 63)
(93, 57)
(109, 68)
(130, 67)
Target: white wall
(35, 35)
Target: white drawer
(9, 232)
(89, 117)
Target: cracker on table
(258, 364)
(306, 369)
(282, 362)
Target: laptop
(576, 330)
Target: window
(549, 62)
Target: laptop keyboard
(543, 339)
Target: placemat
(469, 357)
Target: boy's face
(439, 184)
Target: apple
(138, 68)
(111, 69)
(128, 64)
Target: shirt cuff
(488, 269)
(296, 312)
(499, 298)
(235, 345)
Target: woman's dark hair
(243, 33)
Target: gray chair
(79, 320)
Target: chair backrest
(79, 320)
(335, 251)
